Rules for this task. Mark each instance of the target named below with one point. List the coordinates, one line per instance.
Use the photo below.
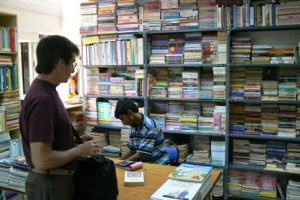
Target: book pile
(188, 123)
(208, 16)
(206, 83)
(185, 182)
(13, 174)
(217, 152)
(287, 121)
(107, 17)
(269, 90)
(252, 88)
(5, 60)
(241, 151)
(201, 151)
(282, 56)
(252, 183)
(293, 158)
(124, 140)
(90, 113)
(159, 47)
(128, 16)
(237, 77)
(288, 12)
(219, 79)
(92, 81)
(111, 151)
(104, 113)
(276, 152)
(4, 144)
(209, 47)
(115, 138)
(188, 14)
(193, 48)
(253, 119)
(261, 54)
(116, 86)
(151, 15)
(293, 190)
(169, 15)
(190, 79)
(88, 17)
(257, 153)
(222, 48)
(240, 50)
(183, 152)
(270, 119)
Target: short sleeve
(41, 119)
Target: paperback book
(134, 178)
(188, 172)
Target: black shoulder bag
(95, 178)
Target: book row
(107, 17)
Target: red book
(12, 39)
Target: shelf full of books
(228, 75)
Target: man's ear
(130, 112)
(60, 64)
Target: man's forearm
(137, 156)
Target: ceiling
(50, 7)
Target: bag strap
(79, 140)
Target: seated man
(146, 140)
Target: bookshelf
(230, 21)
(9, 95)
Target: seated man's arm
(127, 155)
(137, 156)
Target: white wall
(31, 24)
(35, 17)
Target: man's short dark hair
(124, 105)
(51, 49)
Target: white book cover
(174, 189)
(134, 178)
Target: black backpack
(95, 179)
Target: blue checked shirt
(150, 141)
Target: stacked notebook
(185, 182)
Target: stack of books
(185, 182)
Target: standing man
(47, 135)
(146, 140)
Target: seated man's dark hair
(51, 49)
(124, 105)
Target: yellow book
(90, 40)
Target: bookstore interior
(220, 78)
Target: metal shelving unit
(254, 101)
(260, 137)
(254, 168)
(248, 31)
(227, 101)
(249, 197)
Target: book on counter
(134, 178)
(189, 172)
(185, 190)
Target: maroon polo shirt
(43, 118)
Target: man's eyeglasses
(74, 65)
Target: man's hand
(86, 137)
